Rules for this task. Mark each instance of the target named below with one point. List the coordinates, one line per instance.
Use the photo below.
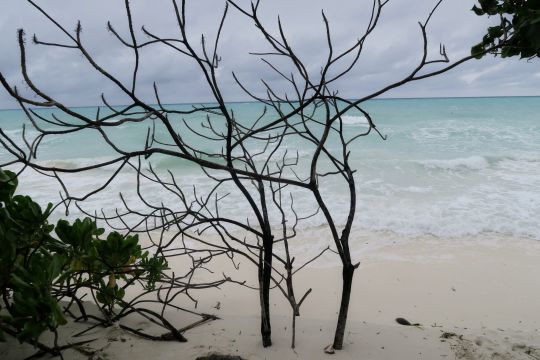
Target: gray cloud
(390, 53)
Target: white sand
(485, 294)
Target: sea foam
(450, 168)
(355, 120)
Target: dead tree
(309, 110)
(239, 168)
(199, 217)
(316, 91)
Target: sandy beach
(473, 300)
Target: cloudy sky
(390, 53)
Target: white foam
(354, 120)
(70, 164)
(488, 180)
(466, 163)
(418, 190)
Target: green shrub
(38, 269)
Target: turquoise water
(449, 167)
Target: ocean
(450, 167)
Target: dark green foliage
(27, 267)
(155, 266)
(79, 235)
(118, 251)
(34, 308)
(37, 269)
(8, 181)
(518, 32)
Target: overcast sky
(392, 51)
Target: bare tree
(309, 111)
(316, 91)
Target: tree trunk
(348, 272)
(265, 273)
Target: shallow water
(449, 167)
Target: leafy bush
(38, 269)
(518, 32)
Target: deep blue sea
(450, 167)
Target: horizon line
(255, 102)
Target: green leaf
(478, 11)
(79, 235)
(495, 31)
(478, 51)
(8, 185)
(521, 19)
